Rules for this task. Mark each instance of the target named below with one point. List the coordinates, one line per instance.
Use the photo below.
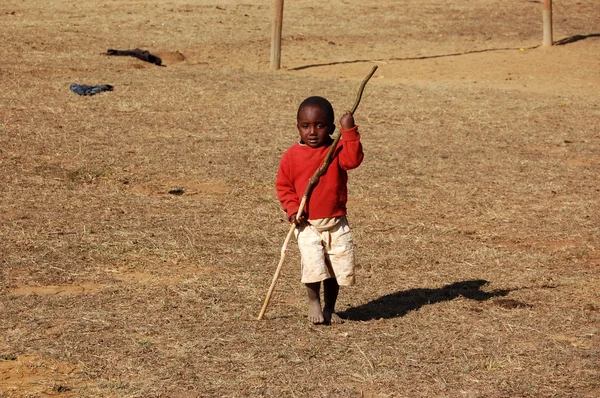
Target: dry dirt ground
(475, 212)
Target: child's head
(315, 121)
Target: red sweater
(329, 197)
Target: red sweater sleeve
(352, 155)
(286, 192)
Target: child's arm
(286, 193)
(351, 155)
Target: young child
(324, 238)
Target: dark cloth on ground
(84, 89)
(138, 53)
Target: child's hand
(347, 121)
(298, 221)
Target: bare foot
(335, 319)
(332, 318)
(315, 315)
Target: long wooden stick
(311, 184)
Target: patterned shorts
(327, 251)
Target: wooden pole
(547, 20)
(276, 38)
(311, 184)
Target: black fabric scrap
(141, 54)
(84, 89)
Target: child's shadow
(400, 303)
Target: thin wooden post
(547, 19)
(276, 38)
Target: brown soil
(139, 228)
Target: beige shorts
(327, 251)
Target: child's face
(314, 126)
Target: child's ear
(332, 128)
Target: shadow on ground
(573, 39)
(400, 303)
(355, 61)
(562, 42)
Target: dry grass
(475, 211)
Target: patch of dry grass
(475, 210)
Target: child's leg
(330, 294)
(315, 315)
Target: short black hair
(319, 102)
